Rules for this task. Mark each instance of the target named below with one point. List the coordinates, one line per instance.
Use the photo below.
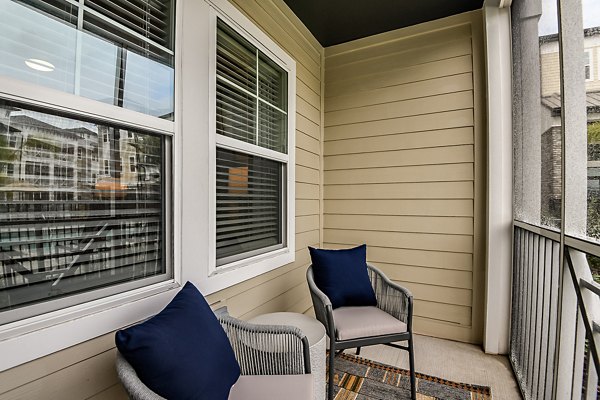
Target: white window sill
(231, 274)
(39, 336)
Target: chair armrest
(132, 383)
(321, 303)
(391, 297)
(267, 349)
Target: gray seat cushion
(360, 322)
(273, 387)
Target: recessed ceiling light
(39, 65)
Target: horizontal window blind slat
(142, 17)
(100, 28)
(58, 9)
(249, 203)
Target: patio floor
(454, 361)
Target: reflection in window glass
(72, 221)
(103, 61)
(148, 86)
(37, 48)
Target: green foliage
(594, 132)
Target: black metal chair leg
(358, 351)
(411, 360)
(331, 370)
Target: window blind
(249, 204)
(251, 93)
(150, 18)
(73, 215)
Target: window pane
(238, 97)
(41, 45)
(73, 215)
(537, 114)
(236, 113)
(249, 205)
(272, 83)
(272, 128)
(149, 18)
(38, 48)
(236, 58)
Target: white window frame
(247, 268)
(31, 338)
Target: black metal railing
(555, 316)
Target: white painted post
(499, 179)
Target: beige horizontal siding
(402, 240)
(400, 75)
(402, 165)
(416, 123)
(87, 370)
(405, 141)
(410, 173)
(421, 207)
(416, 257)
(413, 190)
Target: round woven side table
(315, 333)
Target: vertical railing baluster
(578, 359)
(542, 318)
(530, 310)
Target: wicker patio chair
(349, 327)
(274, 361)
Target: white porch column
(499, 179)
(574, 122)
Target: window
(131, 164)
(98, 235)
(58, 44)
(587, 60)
(83, 78)
(252, 163)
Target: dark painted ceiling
(338, 21)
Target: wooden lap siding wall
(404, 166)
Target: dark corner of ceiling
(337, 21)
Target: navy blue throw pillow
(342, 275)
(182, 352)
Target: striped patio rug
(357, 378)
